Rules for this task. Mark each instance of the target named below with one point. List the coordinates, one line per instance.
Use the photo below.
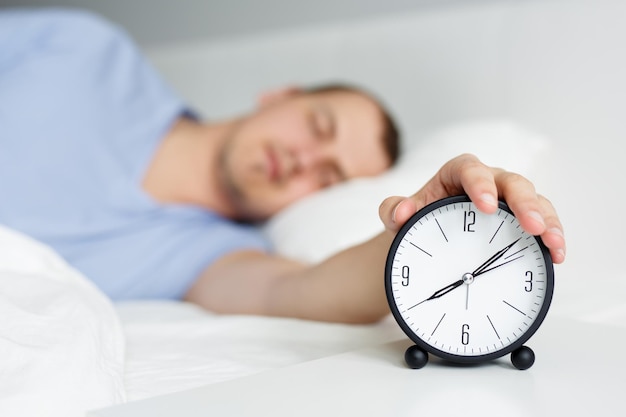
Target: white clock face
(467, 285)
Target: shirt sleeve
(27, 31)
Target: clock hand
(499, 265)
(440, 292)
(470, 277)
(483, 268)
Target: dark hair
(391, 134)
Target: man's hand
(484, 185)
(349, 286)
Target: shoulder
(56, 17)
(85, 23)
(56, 27)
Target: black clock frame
(416, 357)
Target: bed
(536, 87)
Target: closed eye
(322, 122)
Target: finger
(535, 213)
(520, 195)
(478, 182)
(395, 211)
(553, 237)
(464, 174)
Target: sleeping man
(100, 160)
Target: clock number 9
(465, 334)
(529, 282)
(405, 276)
(469, 218)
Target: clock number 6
(529, 282)
(405, 276)
(469, 218)
(465, 334)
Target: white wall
(155, 22)
(556, 66)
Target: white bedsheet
(176, 346)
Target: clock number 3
(529, 282)
(469, 218)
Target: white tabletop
(580, 369)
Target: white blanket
(64, 352)
(61, 344)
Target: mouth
(273, 165)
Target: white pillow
(322, 224)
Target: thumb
(395, 211)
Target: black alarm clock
(466, 286)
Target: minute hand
(483, 268)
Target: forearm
(347, 287)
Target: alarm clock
(467, 286)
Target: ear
(274, 96)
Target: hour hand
(440, 292)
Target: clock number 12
(469, 218)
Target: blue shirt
(81, 115)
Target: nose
(310, 158)
(306, 159)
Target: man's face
(298, 145)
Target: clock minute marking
(492, 326)
(514, 308)
(441, 229)
(413, 244)
(437, 326)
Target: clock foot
(523, 358)
(415, 357)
